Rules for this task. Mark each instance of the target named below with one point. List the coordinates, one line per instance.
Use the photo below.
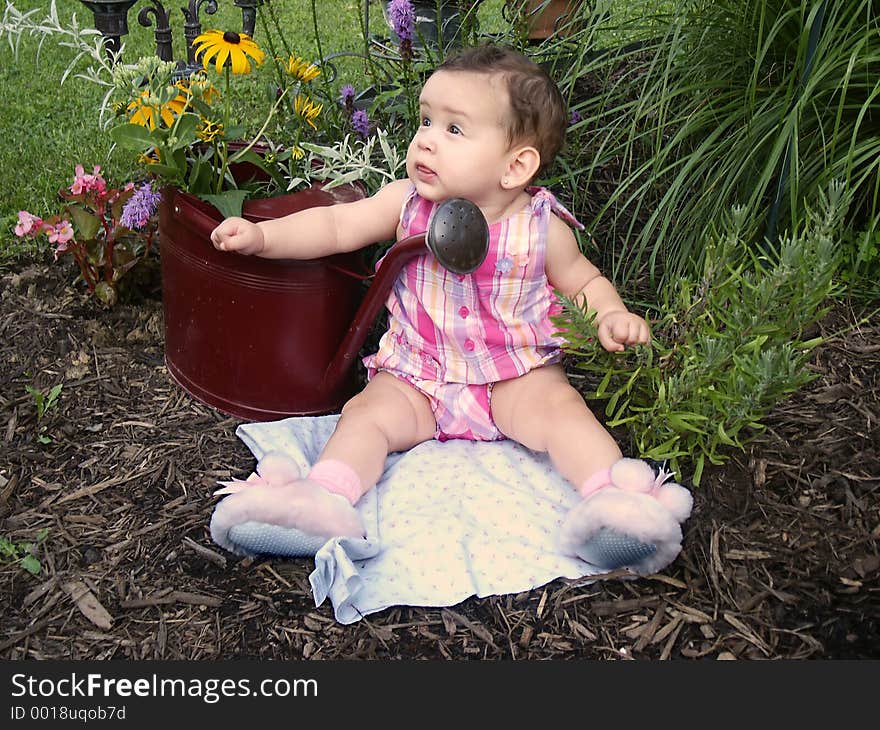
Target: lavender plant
(727, 346)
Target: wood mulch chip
(781, 554)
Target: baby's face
(461, 148)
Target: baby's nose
(425, 139)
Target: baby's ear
(523, 166)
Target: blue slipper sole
(262, 538)
(610, 549)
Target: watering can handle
(398, 255)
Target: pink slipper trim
(596, 482)
(337, 477)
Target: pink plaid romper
(452, 337)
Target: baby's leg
(541, 410)
(388, 415)
(628, 517)
(283, 514)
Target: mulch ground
(780, 557)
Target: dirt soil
(781, 557)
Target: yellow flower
(307, 109)
(228, 46)
(150, 157)
(297, 153)
(208, 131)
(301, 69)
(145, 112)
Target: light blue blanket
(446, 521)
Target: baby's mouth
(425, 172)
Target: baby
(468, 356)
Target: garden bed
(780, 556)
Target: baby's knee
(392, 414)
(360, 408)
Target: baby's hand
(239, 235)
(618, 329)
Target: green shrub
(727, 346)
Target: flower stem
(223, 149)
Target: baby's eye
(426, 122)
(454, 129)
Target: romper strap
(540, 195)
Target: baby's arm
(316, 232)
(569, 271)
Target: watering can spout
(457, 235)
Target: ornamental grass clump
(108, 231)
(726, 348)
(759, 103)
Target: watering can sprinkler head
(458, 235)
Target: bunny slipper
(277, 512)
(629, 518)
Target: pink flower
(85, 183)
(28, 224)
(61, 233)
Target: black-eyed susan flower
(235, 48)
(146, 111)
(307, 109)
(208, 130)
(150, 157)
(301, 69)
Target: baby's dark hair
(538, 111)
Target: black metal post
(163, 28)
(248, 14)
(111, 18)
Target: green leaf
(723, 437)
(87, 224)
(229, 202)
(680, 422)
(256, 159)
(185, 131)
(169, 172)
(30, 564)
(200, 107)
(53, 395)
(603, 386)
(132, 136)
(201, 178)
(698, 470)
(235, 131)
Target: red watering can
(262, 339)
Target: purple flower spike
(140, 207)
(403, 19)
(575, 117)
(347, 94)
(361, 123)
